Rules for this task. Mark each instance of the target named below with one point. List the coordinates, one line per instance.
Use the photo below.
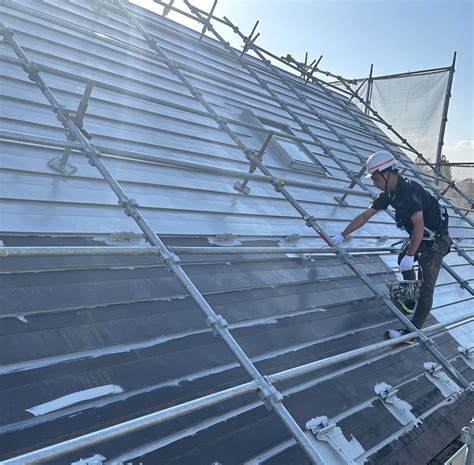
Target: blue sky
(396, 36)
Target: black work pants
(430, 258)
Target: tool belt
(404, 290)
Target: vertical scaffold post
(444, 117)
(370, 83)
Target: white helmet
(380, 161)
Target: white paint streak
(74, 398)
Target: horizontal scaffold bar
(147, 250)
(155, 418)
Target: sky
(395, 35)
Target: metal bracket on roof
(95, 460)
(99, 6)
(467, 354)
(167, 8)
(441, 380)
(60, 164)
(355, 177)
(335, 448)
(225, 240)
(292, 238)
(242, 186)
(399, 408)
(341, 201)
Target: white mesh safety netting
(412, 103)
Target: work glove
(407, 263)
(339, 239)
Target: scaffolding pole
(268, 393)
(147, 250)
(176, 411)
(444, 117)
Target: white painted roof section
(74, 398)
(133, 108)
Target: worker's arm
(359, 221)
(417, 233)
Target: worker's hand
(339, 239)
(406, 263)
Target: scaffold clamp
(278, 184)
(6, 32)
(309, 220)
(217, 323)
(269, 394)
(170, 259)
(33, 71)
(130, 206)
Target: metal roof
(88, 342)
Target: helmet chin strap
(386, 191)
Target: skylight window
(288, 152)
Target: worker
(419, 213)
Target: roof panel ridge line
(193, 405)
(267, 392)
(405, 142)
(311, 221)
(355, 178)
